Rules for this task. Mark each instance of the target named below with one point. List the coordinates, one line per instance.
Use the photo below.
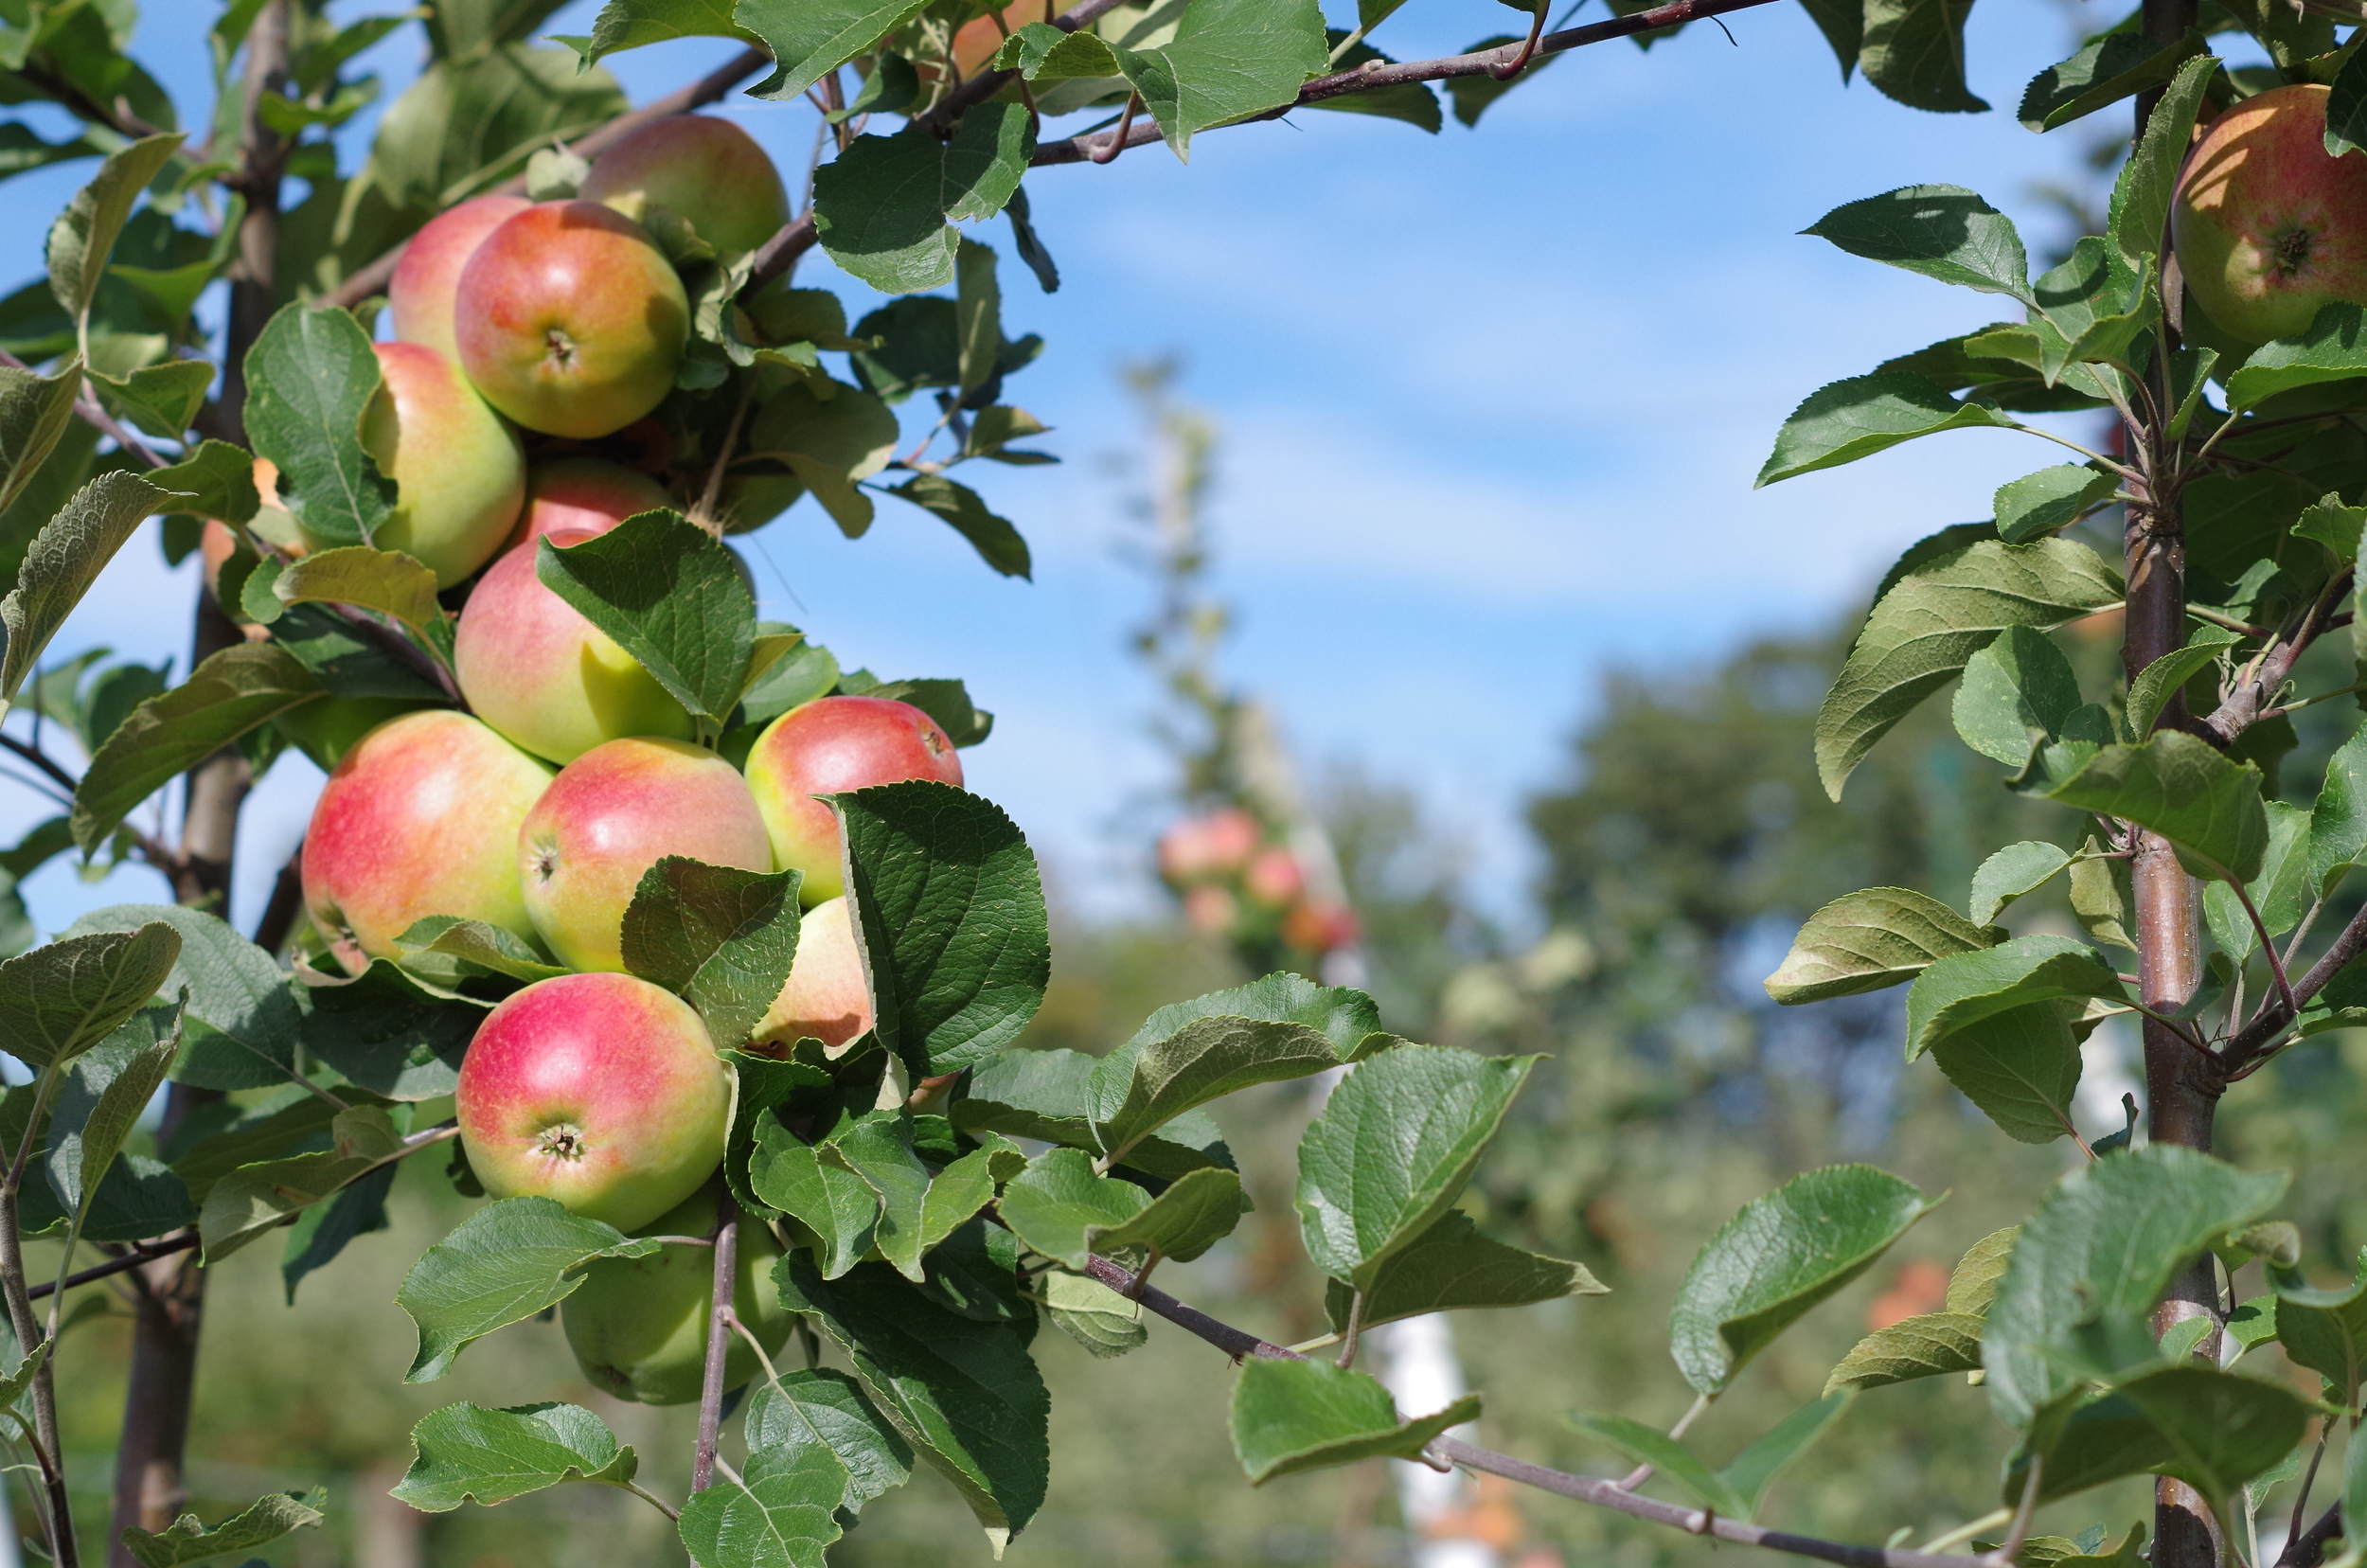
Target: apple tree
(676, 938)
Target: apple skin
(570, 321)
(705, 170)
(420, 818)
(325, 731)
(535, 669)
(608, 817)
(583, 496)
(600, 1091)
(459, 472)
(2266, 227)
(639, 1326)
(419, 297)
(827, 994)
(827, 745)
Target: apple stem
(719, 1340)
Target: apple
(570, 321)
(460, 476)
(325, 731)
(1274, 878)
(830, 745)
(420, 818)
(584, 497)
(707, 172)
(1217, 844)
(600, 1091)
(1316, 927)
(608, 817)
(421, 294)
(1210, 909)
(827, 994)
(2266, 227)
(530, 665)
(639, 1326)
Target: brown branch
(118, 118)
(721, 1283)
(2257, 1038)
(285, 904)
(145, 1253)
(1601, 1491)
(2249, 702)
(2309, 1549)
(776, 256)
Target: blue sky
(1491, 402)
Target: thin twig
(726, 1276)
(2259, 1035)
(147, 1252)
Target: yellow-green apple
(583, 496)
(2268, 229)
(639, 1326)
(459, 475)
(420, 818)
(827, 745)
(535, 669)
(608, 817)
(600, 1091)
(570, 321)
(707, 172)
(419, 297)
(828, 996)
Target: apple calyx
(560, 1141)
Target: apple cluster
(2268, 226)
(1238, 881)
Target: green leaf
(2206, 805)
(1869, 939)
(632, 24)
(2111, 68)
(963, 1393)
(838, 1208)
(996, 540)
(61, 999)
(1848, 420)
(1754, 1468)
(2333, 349)
(64, 558)
(1973, 1284)
(880, 209)
(2325, 1330)
(186, 1539)
(1345, 1017)
(219, 480)
(2276, 893)
(822, 1405)
(311, 376)
(85, 233)
(2333, 524)
(34, 412)
(1650, 1446)
(1399, 1138)
(2222, 1430)
(2089, 1266)
(949, 912)
(672, 596)
(465, 1453)
(722, 938)
(2140, 197)
(101, 1096)
(1096, 1316)
(2052, 499)
(813, 37)
(229, 694)
(2338, 826)
(1962, 990)
(161, 399)
(503, 1264)
(2013, 872)
(1941, 231)
(1046, 1094)
(1915, 52)
(780, 1514)
(1042, 53)
(253, 1199)
(2346, 114)
(1228, 59)
(2155, 683)
(1780, 1257)
(388, 582)
(1914, 1348)
(1293, 1416)
(474, 943)
(470, 120)
(878, 1147)
(1061, 1209)
(2021, 1067)
(1929, 625)
(1143, 1085)
(322, 1232)
(1451, 1267)
(2021, 683)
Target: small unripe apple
(600, 1091)
(458, 473)
(608, 817)
(570, 321)
(419, 297)
(420, 817)
(828, 745)
(707, 172)
(583, 496)
(2268, 228)
(639, 1326)
(828, 995)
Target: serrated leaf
(2155, 683)
(474, 942)
(467, 1454)
(1044, 1095)
(2021, 1067)
(634, 24)
(61, 999)
(2021, 683)
(1914, 53)
(2140, 197)
(187, 1540)
(253, 1199)
(1972, 1285)
(1392, 1149)
(1228, 59)
(1060, 1208)
(2205, 804)
(1962, 990)
(1451, 1267)
(98, 1100)
(882, 207)
(1042, 53)
(505, 1263)
(672, 596)
(219, 480)
(2052, 499)
(1780, 1257)
(1650, 1446)
(996, 540)
(1869, 939)
(311, 375)
(2333, 349)
(1914, 1348)
(160, 400)
(831, 1200)
(63, 561)
(2113, 68)
(1293, 1416)
(85, 233)
(813, 37)
(1096, 1316)
(823, 1405)
(780, 1514)
(1848, 420)
(720, 936)
(878, 1147)
(1143, 1085)
(2012, 872)
(34, 411)
(388, 581)
(1941, 231)
(243, 1018)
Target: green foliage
(780, 1514)
(63, 561)
(186, 1539)
(465, 1453)
(721, 937)
(885, 208)
(314, 376)
(507, 1262)
(1451, 1267)
(61, 999)
(673, 597)
(1293, 1416)
(1870, 940)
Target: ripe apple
(1217, 844)
(830, 745)
(420, 818)
(828, 995)
(570, 321)
(2266, 227)
(458, 473)
(600, 1091)
(583, 496)
(1274, 878)
(535, 669)
(419, 297)
(1210, 909)
(1317, 927)
(639, 1326)
(707, 172)
(608, 817)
